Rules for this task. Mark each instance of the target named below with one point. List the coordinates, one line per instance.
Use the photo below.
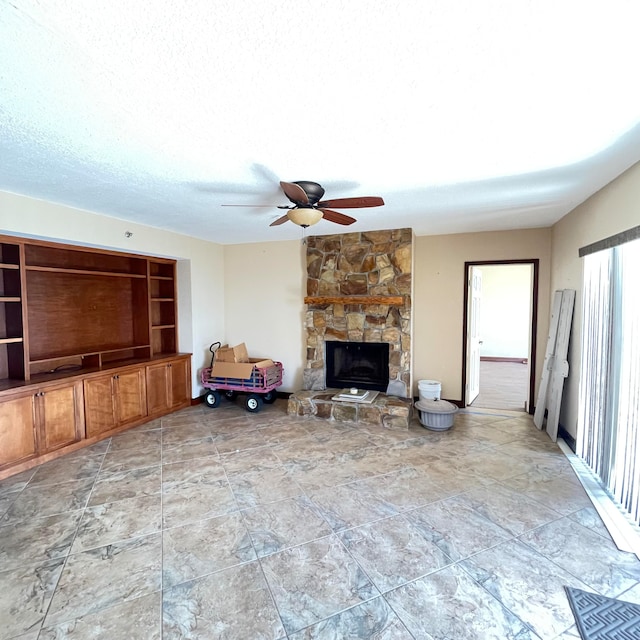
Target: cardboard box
(240, 370)
(232, 354)
(224, 354)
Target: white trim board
(624, 532)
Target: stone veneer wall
(371, 263)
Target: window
(609, 413)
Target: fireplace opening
(364, 365)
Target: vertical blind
(609, 411)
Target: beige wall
(201, 280)
(254, 293)
(613, 209)
(439, 296)
(264, 303)
(265, 288)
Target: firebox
(364, 365)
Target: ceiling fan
(307, 208)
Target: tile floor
(229, 525)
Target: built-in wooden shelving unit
(88, 347)
(64, 307)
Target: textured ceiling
(463, 115)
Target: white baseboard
(624, 532)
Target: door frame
(474, 342)
(535, 263)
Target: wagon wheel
(270, 397)
(230, 394)
(253, 403)
(212, 398)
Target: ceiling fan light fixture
(304, 216)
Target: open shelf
(9, 255)
(91, 360)
(68, 308)
(163, 340)
(10, 285)
(12, 347)
(12, 364)
(110, 274)
(162, 306)
(120, 356)
(82, 314)
(83, 260)
(88, 354)
(162, 270)
(11, 321)
(161, 289)
(163, 313)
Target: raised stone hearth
(385, 411)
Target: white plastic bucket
(429, 389)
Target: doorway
(499, 334)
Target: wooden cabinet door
(180, 382)
(99, 405)
(157, 388)
(131, 395)
(59, 413)
(17, 430)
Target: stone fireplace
(359, 289)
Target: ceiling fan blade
(280, 220)
(334, 216)
(353, 203)
(294, 192)
(271, 206)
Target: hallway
(503, 385)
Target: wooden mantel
(397, 301)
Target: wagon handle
(213, 348)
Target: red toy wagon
(258, 378)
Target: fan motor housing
(313, 190)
